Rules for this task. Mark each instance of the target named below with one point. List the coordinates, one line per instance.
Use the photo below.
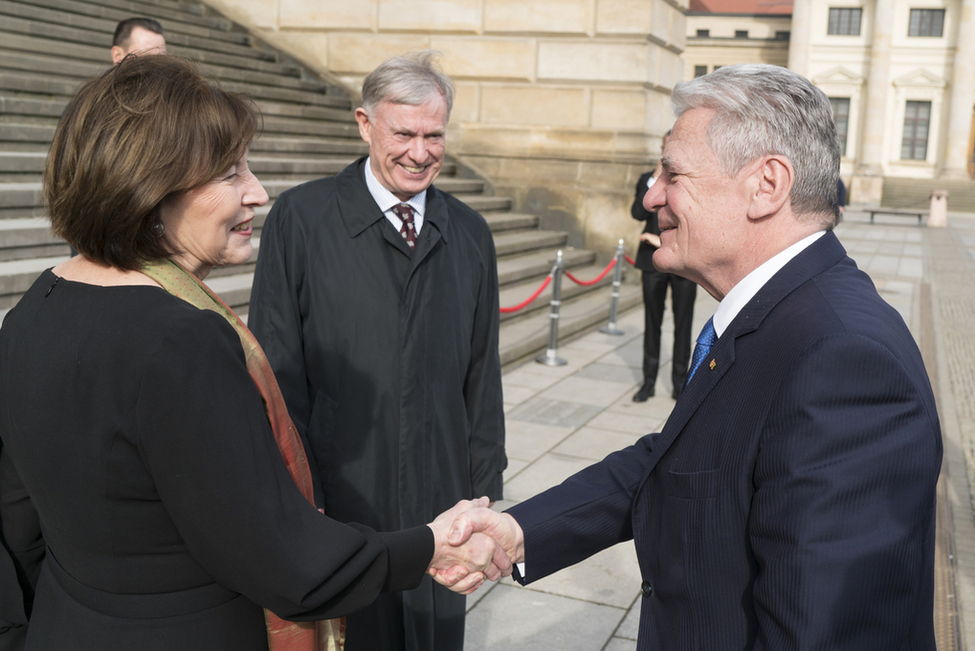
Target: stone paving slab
(609, 578)
(595, 444)
(529, 441)
(514, 618)
(551, 469)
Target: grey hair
(411, 79)
(764, 110)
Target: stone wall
(560, 103)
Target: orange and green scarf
(325, 635)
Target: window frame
(841, 117)
(910, 144)
(920, 13)
(834, 25)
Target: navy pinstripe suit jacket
(789, 501)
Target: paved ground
(561, 419)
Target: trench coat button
(647, 589)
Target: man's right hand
(502, 527)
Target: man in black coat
(682, 292)
(376, 300)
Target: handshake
(473, 543)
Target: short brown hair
(147, 128)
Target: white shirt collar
(747, 287)
(386, 200)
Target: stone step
(538, 264)
(916, 193)
(34, 107)
(527, 337)
(54, 86)
(173, 20)
(27, 162)
(308, 166)
(33, 54)
(483, 204)
(29, 237)
(31, 35)
(270, 107)
(22, 238)
(68, 65)
(506, 221)
(20, 195)
(72, 27)
(334, 123)
(235, 289)
(509, 243)
(276, 92)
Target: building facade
(726, 32)
(899, 73)
(901, 76)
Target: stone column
(962, 94)
(799, 37)
(868, 181)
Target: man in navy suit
(789, 501)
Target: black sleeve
(637, 210)
(21, 553)
(210, 450)
(482, 386)
(274, 316)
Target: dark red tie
(408, 230)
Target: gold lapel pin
(712, 365)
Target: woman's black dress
(167, 510)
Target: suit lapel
(360, 211)
(435, 226)
(814, 260)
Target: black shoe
(646, 391)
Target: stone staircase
(916, 193)
(47, 47)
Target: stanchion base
(551, 361)
(611, 329)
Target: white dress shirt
(386, 200)
(747, 287)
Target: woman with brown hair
(140, 416)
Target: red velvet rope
(630, 260)
(520, 306)
(594, 280)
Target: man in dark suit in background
(137, 36)
(789, 501)
(682, 294)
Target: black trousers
(683, 292)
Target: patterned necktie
(705, 341)
(408, 230)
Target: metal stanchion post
(551, 357)
(610, 328)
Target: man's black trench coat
(388, 359)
